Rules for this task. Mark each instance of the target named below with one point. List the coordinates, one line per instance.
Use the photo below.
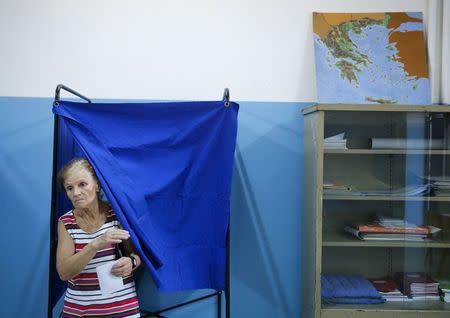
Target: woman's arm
(69, 263)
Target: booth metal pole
(52, 259)
(52, 218)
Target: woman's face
(81, 187)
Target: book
(385, 236)
(384, 285)
(377, 228)
(388, 289)
(418, 285)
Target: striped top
(83, 297)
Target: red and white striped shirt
(83, 296)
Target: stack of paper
(418, 286)
(408, 143)
(393, 222)
(444, 289)
(335, 142)
(439, 185)
(401, 223)
(446, 296)
(409, 191)
(389, 289)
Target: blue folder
(345, 289)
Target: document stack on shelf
(408, 191)
(440, 186)
(335, 142)
(389, 289)
(407, 143)
(394, 229)
(444, 289)
(418, 286)
(393, 222)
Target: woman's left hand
(122, 267)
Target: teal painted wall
(25, 180)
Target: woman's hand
(110, 237)
(122, 267)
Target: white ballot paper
(108, 282)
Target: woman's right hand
(110, 237)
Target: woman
(88, 237)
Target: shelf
(376, 108)
(335, 239)
(381, 184)
(416, 305)
(383, 198)
(442, 152)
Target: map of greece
(371, 58)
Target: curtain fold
(166, 170)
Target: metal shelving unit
(326, 248)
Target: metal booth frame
(52, 264)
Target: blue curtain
(166, 170)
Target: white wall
(445, 76)
(261, 49)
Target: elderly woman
(88, 237)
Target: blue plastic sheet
(166, 170)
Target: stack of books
(385, 228)
(375, 231)
(418, 286)
(389, 289)
(335, 142)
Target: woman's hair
(72, 164)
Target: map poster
(371, 58)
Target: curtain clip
(226, 97)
